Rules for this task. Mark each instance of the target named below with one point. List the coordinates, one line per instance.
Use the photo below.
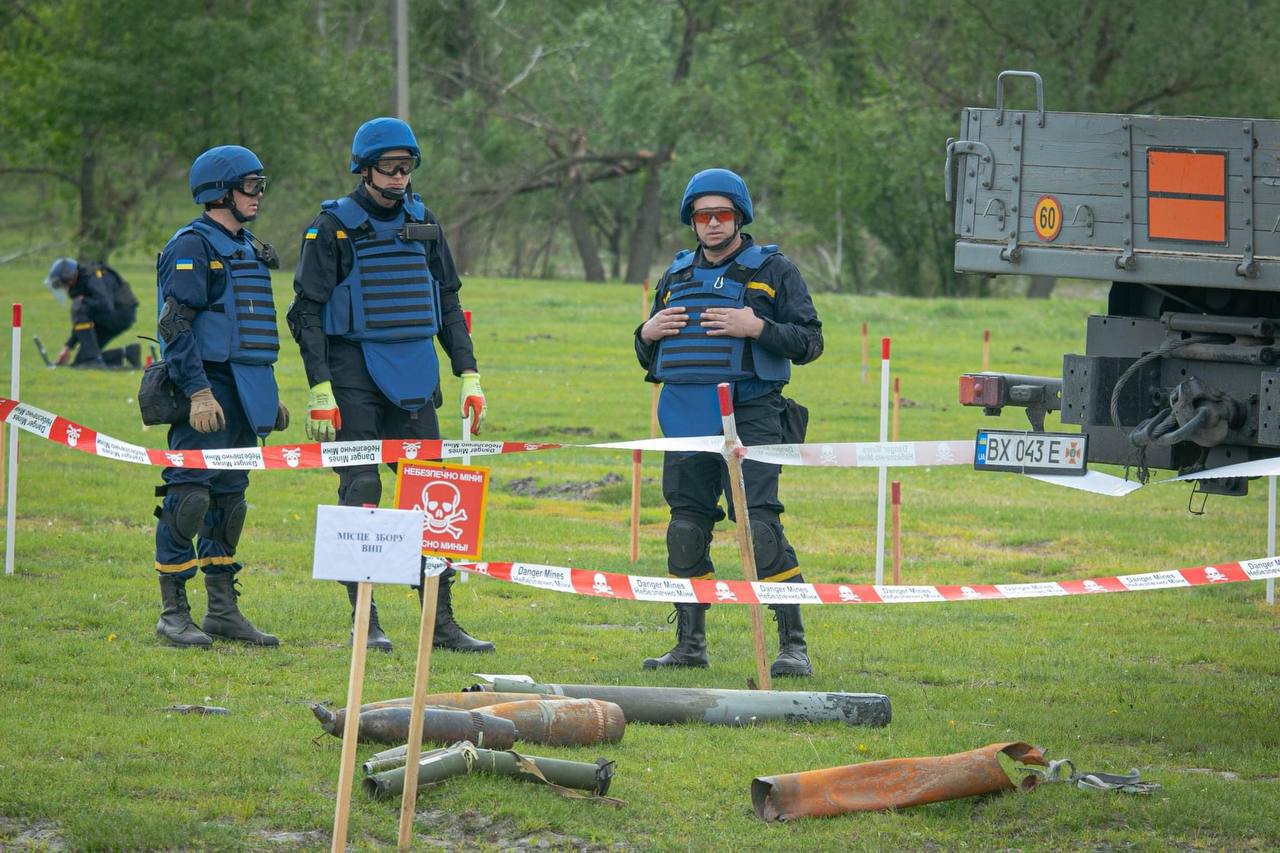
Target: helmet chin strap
(722, 245)
(389, 193)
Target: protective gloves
(323, 418)
(206, 413)
(472, 398)
(64, 355)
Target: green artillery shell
(390, 725)
(460, 759)
(718, 707)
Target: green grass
(1175, 683)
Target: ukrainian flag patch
(312, 232)
(184, 264)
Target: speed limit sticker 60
(1048, 218)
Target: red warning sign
(452, 501)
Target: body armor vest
(693, 357)
(389, 302)
(239, 326)
(389, 294)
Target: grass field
(1180, 684)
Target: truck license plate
(1031, 452)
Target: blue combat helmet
(378, 135)
(219, 170)
(62, 275)
(716, 182)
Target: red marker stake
(737, 488)
(986, 350)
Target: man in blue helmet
(102, 306)
(217, 326)
(374, 288)
(732, 311)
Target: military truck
(1182, 216)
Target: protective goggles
(391, 166)
(719, 214)
(252, 185)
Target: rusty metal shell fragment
(892, 784)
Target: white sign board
(362, 544)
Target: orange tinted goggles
(719, 214)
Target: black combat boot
(448, 633)
(691, 639)
(793, 658)
(224, 618)
(175, 625)
(133, 355)
(376, 640)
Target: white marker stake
(11, 516)
(884, 436)
(1271, 534)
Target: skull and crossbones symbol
(73, 435)
(175, 458)
(292, 456)
(411, 449)
(1212, 575)
(847, 594)
(723, 593)
(442, 509)
(600, 585)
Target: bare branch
(519, 78)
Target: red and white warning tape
(642, 588)
(333, 453)
(870, 454)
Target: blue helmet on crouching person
(218, 171)
(717, 182)
(376, 137)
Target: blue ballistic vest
(693, 357)
(389, 302)
(239, 326)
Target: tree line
(558, 134)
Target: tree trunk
(584, 239)
(1041, 286)
(644, 239)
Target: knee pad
(364, 488)
(687, 543)
(766, 542)
(230, 522)
(187, 505)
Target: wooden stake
(635, 505)
(897, 533)
(636, 464)
(986, 350)
(864, 351)
(421, 675)
(897, 398)
(737, 487)
(351, 729)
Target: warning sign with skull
(451, 499)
